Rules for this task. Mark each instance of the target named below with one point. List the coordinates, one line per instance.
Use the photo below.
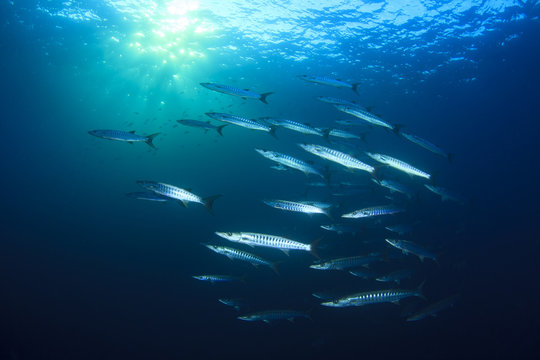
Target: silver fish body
(243, 122)
(296, 207)
(126, 136)
(373, 297)
(323, 80)
(408, 247)
(272, 315)
(337, 157)
(295, 126)
(230, 90)
(265, 240)
(445, 194)
(149, 196)
(373, 211)
(205, 125)
(434, 309)
(399, 165)
(218, 278)
(395, 186)
(235, 254)
(365, 116)
(426, 145)
(289, 161)
(345, 263)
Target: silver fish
(127, 136)
(400, 229)
(337, 157)
(295, 126)
(243, 93)
(427, 145)
(434, 309)
(243, 122)
(365, 274)
(202, 125)
(176, 193)
(445, 194)
(218, 278)
(398, 164)
(339, 228)
(271, 241)
(149, 196)
(336, 101)
(271, 315)
(346, 135)
(289, 161)
(373, 211)
(330, 82)
(408, 247)
(345, 263)
(396, 276)
(237, 304)
(235, 254)
(374, 297)
(297, 207)
(394, 186)
(365, 116)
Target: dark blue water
(88, 273)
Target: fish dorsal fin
(132, 132)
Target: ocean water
(89, 273)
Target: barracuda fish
(396, 276)
(176, 193)
(278, 167)
(374, 297)
(337, 157)
(237, 304)
(297, 207)
(202, 125)
(400, 229)
(339, 228)
(336, 101)
(243, 93)
(296, 126)
(365, 274)
(348, 122)
(243, 122)
(365, 116)
(235, 254)
(271, 241)
(408, 247)
(373, 211)
(346, 135)
(445, 194)
(434, 309)
(323, 80)
(398, 164)
(394, 186)
(289, 161)
(149, 196)
(127, 136)
(271, 315)
(345, 263)
(218, 278)
(318, 204)
(427, 145)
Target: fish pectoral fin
(395, 302)
(286, 251)
(183, 203)
(267, 321)
(291, 320)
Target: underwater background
(89, 273)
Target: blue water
(88, 273)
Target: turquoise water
(88, 272)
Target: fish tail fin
(313, 247)
(149, 139)
(209, 201)
(220, 129)
(264, 95)
(450, 157)
(355, 88)
(272, 131)
(275, 268)
(419, 290)
(397, 128)
(326, 133)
